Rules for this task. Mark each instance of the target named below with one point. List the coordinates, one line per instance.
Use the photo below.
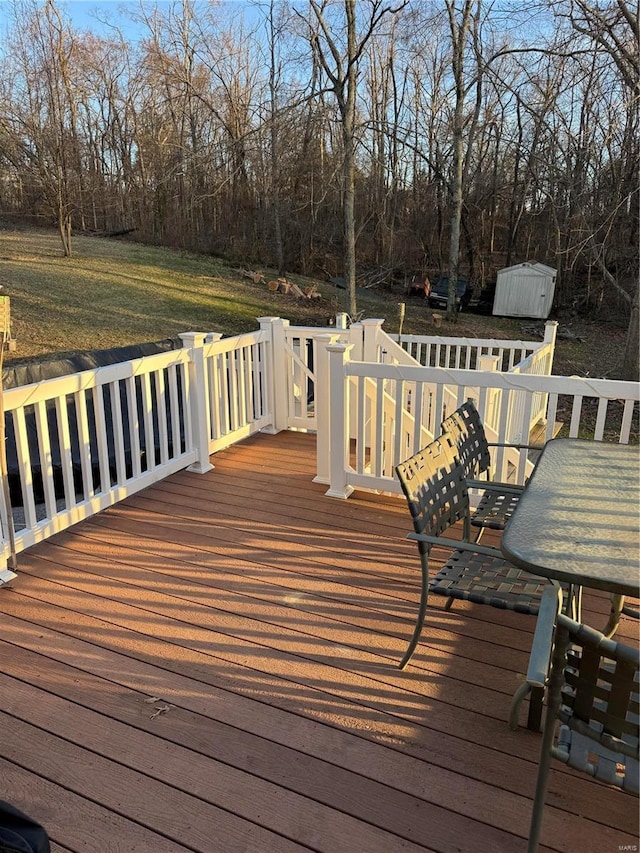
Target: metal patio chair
(498, 499)
(435, 486)
(591, 722)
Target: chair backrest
(600, 702)
(434, 484)
(466, 429)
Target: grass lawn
(114, 292)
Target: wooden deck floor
(211, 666)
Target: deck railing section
(387, 420)
(363, 453)
(237, 390)
(298, 346)
(465, 353)
(85, 441)
(524, 357)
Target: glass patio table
(578, 520)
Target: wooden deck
(211, 666)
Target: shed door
(527, 295)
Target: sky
(89, 14)
(93, 15)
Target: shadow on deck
(211, 666)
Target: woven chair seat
(494, 510)
(488, 580)
(612, 767)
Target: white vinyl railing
(465, 353)
(368, 437)
(85, 441)
(237, 387)
(370, 343)
(82, 442)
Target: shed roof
(543, 269)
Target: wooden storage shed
(525, 290)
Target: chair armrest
(507, 488)
(458, 545)
(516, 446)
(542, 645)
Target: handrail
(87, 440)
(511, 395)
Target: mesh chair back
(465, 428)
(593, 692)
(434, 484)
(600, 704)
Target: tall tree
(341, 64)
(463, 24)
(274, 34)
(44, 116)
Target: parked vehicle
(439, 294)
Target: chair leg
(478, 536)
(536, 700)
(553, 705)
(514, 713)
(617, 606)
(424, 593)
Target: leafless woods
(308, 136)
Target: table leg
(617, 604)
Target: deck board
(265, 621)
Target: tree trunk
(630, 364)
(459, 31)
(64, 227)
(456, 214)
(349, 207)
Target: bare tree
(43, 121)
(463, 23)
(274, 33)
(340, 63)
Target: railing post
(338, 406)
(323, 415)
(356, 340)
(490, 363)
(278, 370)
(198, 400)
(370, 339)
(6, 574)
(550, 333)
(544, 367)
